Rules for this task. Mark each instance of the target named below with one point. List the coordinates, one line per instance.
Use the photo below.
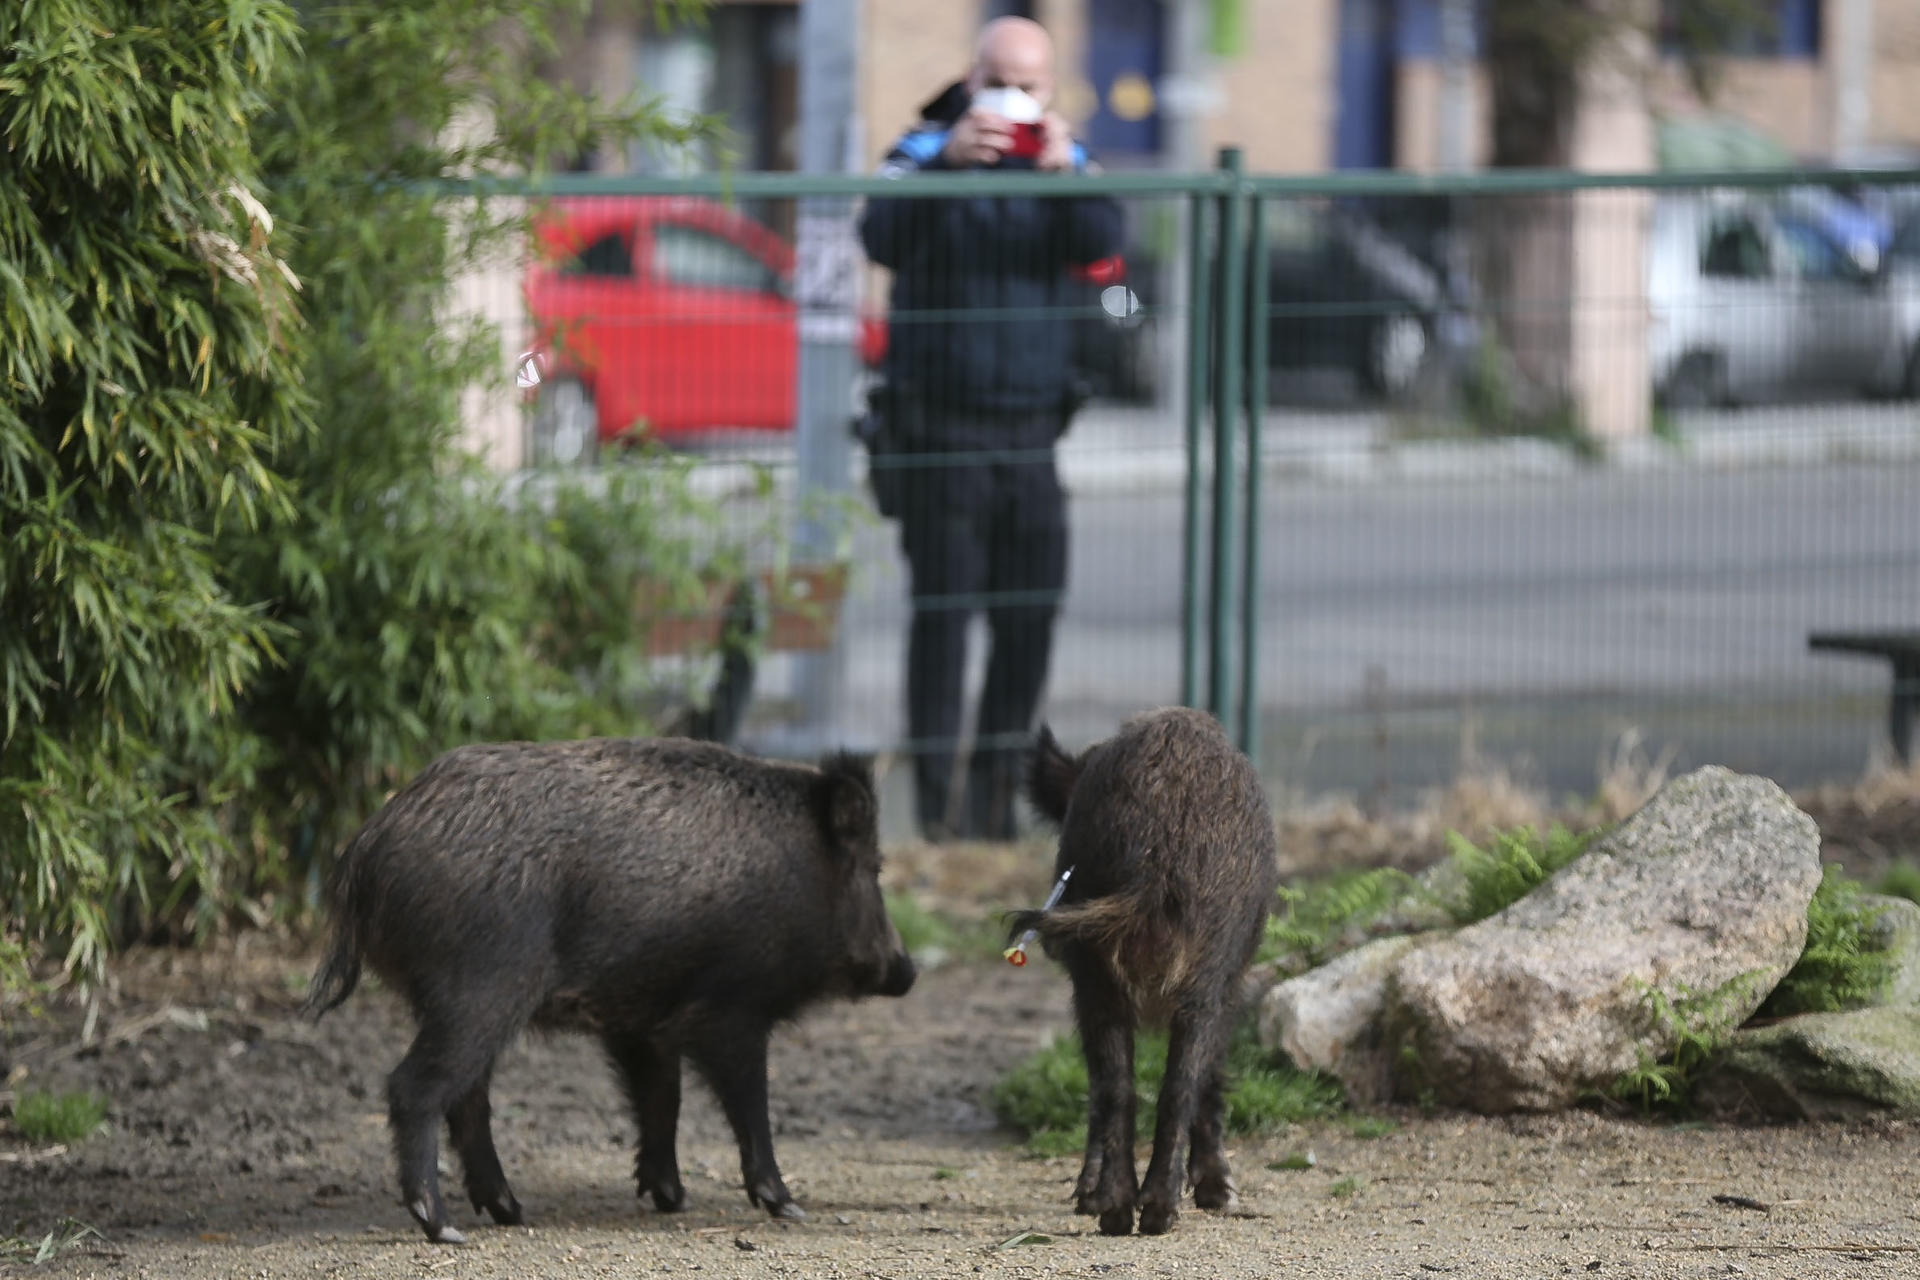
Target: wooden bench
(796, 611)
(1901, 649)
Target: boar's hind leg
(470, 1123)
(447, 1059)
(734, 1060)
(1105, 1017)
(652, 1079)
(1194, 1045)
(1207, 1166)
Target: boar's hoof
(438, 1232)
(1157, 1219)
(505, 1210)
(1116, 1222)
(787, 1209)
(668, 1197)
(1214, 1193)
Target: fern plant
(1841, 967)
(1510, 866)
(1313, 917)
(1699, 1022)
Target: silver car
(1755, 300)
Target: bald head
(1015, 53)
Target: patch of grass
(945, 1174)
(1313, 915)
(930, 936)
(1347, 1188)
(1509, 866)
(1370, 1127)
(67, 1235)
(1840, 967)
(1902, 880)
(1700, 1023)
(44, 1117)
(1045, 1096)
(1294, 1162)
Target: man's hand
(978, 138)
(1056, 143)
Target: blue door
(1123, 65)
(1363, 114)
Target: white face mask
(1015, 105)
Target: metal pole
(1230, 305)
(827, 282)
(1198, 384)
(1456, 85)
(1256, 408)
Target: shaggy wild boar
(1171, 845)
(673, 898)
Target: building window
(1791, 29)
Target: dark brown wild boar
(673, 898)
(1171, 843)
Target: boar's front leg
(651, 1075)
(733, 1057)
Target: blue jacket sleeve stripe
(922, 145)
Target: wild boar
(673, 898)
(1172, 850)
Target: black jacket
(981, 292)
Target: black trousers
(984, 527)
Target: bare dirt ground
(244, 1142)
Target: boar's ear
(1051, 775)
(847, 806)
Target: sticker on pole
(826, 276)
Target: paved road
(1549, 613)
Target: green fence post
(1230, 304)
(1256, 408)
(1199, 386)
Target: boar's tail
(1096, 920)
(1051, 776)
(339, 973)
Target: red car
(667, 315)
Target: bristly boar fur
(674, 898)
(1174, 864)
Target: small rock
(1330, 1018)
(1819, 1066)
(1897, 932)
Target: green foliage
(1046, 1096)
(148, 384)
(930, 935)
(1347, 1187)
(1367, 1128)
(1510, 866)
(1294, 1162)
(425, 606)
(1700, 1023)
(1840, 967)
(1902, 880)
(44, 1117)
(67, 1235)
(1314, 916)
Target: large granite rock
(1705, 890)
(1330, 1018)
(1818, 1066)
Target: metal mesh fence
(1527, 470)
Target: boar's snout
(900, 975)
